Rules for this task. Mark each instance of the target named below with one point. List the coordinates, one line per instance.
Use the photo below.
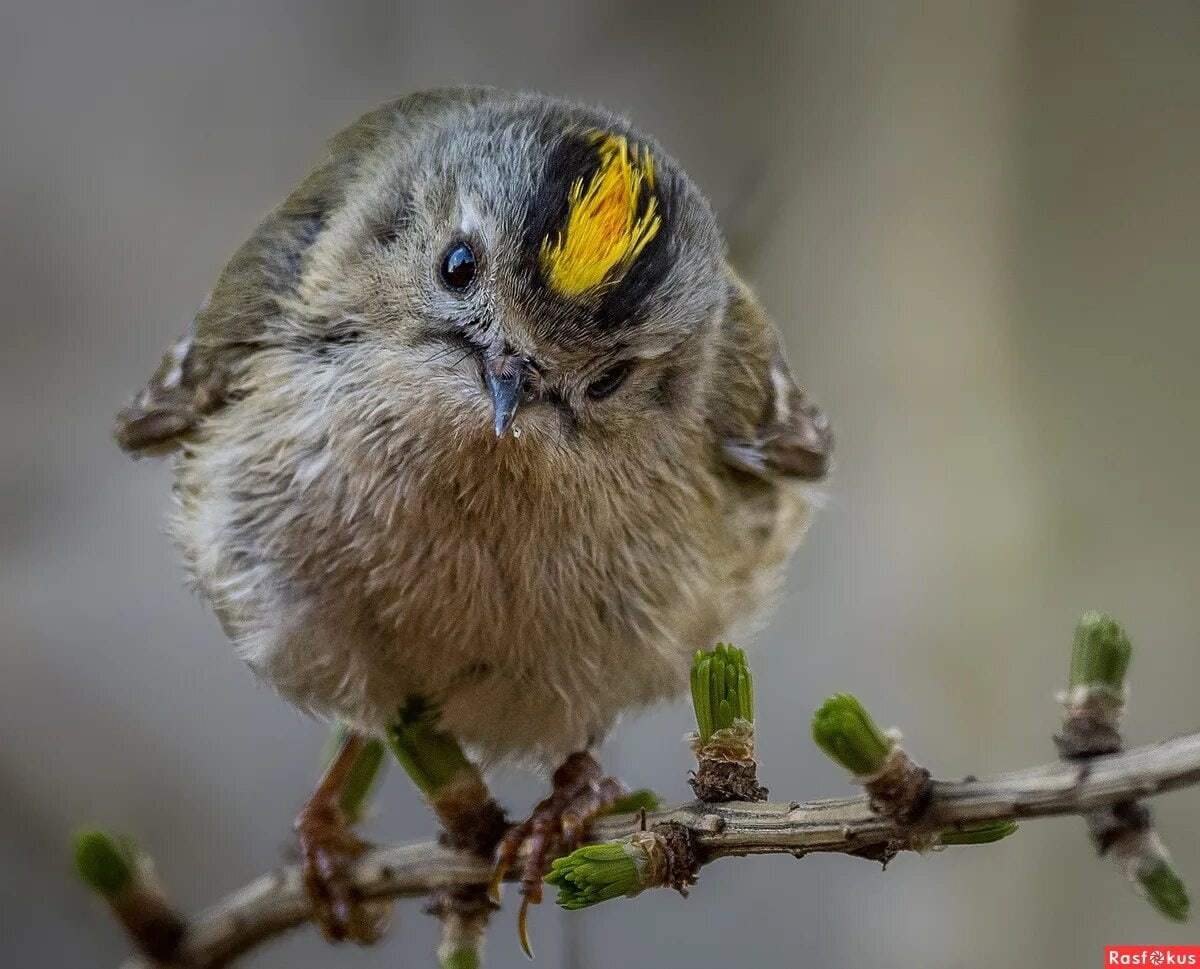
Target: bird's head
(533, 266)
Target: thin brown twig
(276, 903)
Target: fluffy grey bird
(481, 415)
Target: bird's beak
(506, 377)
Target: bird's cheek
(446, 400)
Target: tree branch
(276, 902)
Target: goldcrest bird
(480, 414)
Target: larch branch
(276, 903)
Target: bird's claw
(329, 848)
(555, 828)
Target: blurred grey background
(978, 224)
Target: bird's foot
(329, 848)
(580, 793)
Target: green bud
(635, 801)
(845, 731)
(464, 958)
(431, 757)
(597, 873)
(978, 834)
(1100, 654)
(722, 690)
(108, 866)
(1163, 889)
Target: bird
(481, 415)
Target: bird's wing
(765, 424)
(198, 375)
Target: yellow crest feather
(605, 231)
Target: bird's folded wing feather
(765, 425)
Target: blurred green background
(978, 224)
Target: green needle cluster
(432, 757)
(107, 865)
(845, 731)
(1163, 889)
(1100, 654)
(722, 690)
(1100, 657)
(597, 873)
(979, 834)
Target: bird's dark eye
(609, 381)
(458, 266)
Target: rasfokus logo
(1152, 955)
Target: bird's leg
(580, 793)
(471, 820)
(329, 846)
(454, 786)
